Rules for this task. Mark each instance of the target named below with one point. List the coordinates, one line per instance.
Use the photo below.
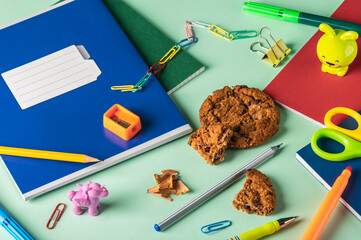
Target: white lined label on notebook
(51, 76)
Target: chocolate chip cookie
(257, 196)
(211, 142)
(250, 113)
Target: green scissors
(350, 139)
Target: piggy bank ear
(327, 29)
(349, 35)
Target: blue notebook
(327, 171)
(73, 121)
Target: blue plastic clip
(186, 40)
(216, 226)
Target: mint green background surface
(129, 212)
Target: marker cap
(271, 11)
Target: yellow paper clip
(124, 88)
(274, 54)
(220, 32)
(170, 54)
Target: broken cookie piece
(168, 183)
(257, 196)
(211, 142)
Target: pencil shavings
(168, 183)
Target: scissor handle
(352, 147)
(356, 133)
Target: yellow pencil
(70, 157)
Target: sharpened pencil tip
(88, 159)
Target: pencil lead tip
(285, 221)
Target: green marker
(299, 17)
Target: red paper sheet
(302, 87)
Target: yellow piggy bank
(336, 49)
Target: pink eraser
(87, 196)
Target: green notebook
(152, 44)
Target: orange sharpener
(121, 122)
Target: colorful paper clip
(221, 32)
(200, 24)
(274, 54)
(155, 68)
(216, 226)
(142, 81)
(189, 31)
(136, 87)
(233, 35)
(213, 28)
(170, 54)
(125, 88)
(59, 211)
(191, 40)
(158, 65)
(242, 34)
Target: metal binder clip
(276, 53)
(59, 211)
(216, 226)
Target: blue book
(72, 121)
(327, 171)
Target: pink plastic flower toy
(87, 197)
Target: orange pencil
(328, 205)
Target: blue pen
(12, 226)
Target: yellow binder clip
(274, 54)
